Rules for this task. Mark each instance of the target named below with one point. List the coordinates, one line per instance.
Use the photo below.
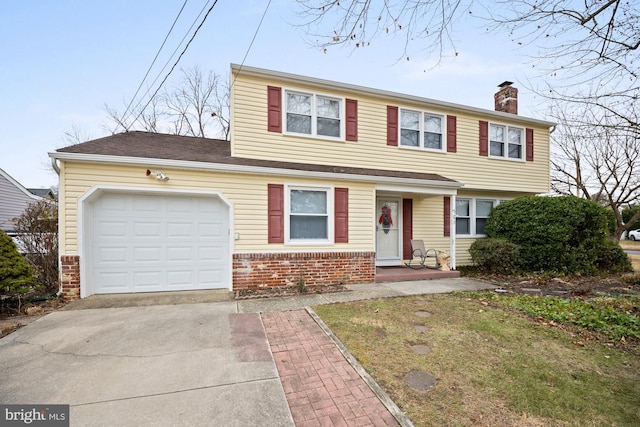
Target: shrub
(37, 231)
(612, 258)
(495, 255)
(555, 234)
(16, 276)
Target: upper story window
(506, 141)
(312, 114)
(421, 130)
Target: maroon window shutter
(275, 209)
(451, 134)
(407, 227)
(351, 108)
(341, 215)
(484, 138)
(529, 145)
(392, 125)
(447, 216)
(274, 107)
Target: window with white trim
(472, 214)
(309, 214)
(313, 114)
(420, 129)
(506, 142)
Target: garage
(157, 242)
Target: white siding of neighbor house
(13, 201)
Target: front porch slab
(401, 274)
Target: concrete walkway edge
(400, 416)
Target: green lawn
(494, 365)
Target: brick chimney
(506, 99)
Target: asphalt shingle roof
(149, 145)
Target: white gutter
(253, 170)
(54, 165)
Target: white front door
(388, 241)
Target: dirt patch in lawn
(569, 286)
(12, 319)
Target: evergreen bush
(495, 255)
(565, 235)
(16, 276)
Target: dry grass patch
(494, 367)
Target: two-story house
(321, 182)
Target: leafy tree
(37, 231)
(16, 276)
(628, 214)
(557, 234)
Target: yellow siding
(246, 193)
(462, 251)
(428, 223)
(251, 139)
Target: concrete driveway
(168, 359)
(191, 364)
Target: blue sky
(63, 61)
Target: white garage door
(151, 243)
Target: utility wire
(174, 65)
(251, 44)
(168, 61)
(153, 62)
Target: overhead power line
(153, 62)
(174, 65)
(251, 44)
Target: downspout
(54, 165)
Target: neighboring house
(14, 199)
(321, 182)
(45, 193)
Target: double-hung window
(505, 142)
(309, 216)
(313, 114)
(472, 214)
(421, 130)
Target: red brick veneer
(70, 276)
(273, 270)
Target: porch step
(401, 274)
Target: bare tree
(76, 135)
(198, 106)
(358, 23)
(596, 159)
(591, 44)
(37, 231)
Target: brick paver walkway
(322, 388)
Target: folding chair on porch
(420, 254)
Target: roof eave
(249, 170)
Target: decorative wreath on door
(385, 219)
